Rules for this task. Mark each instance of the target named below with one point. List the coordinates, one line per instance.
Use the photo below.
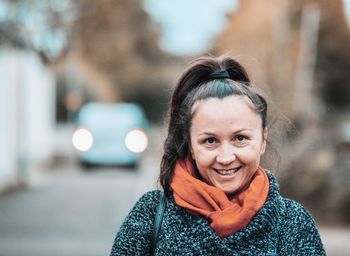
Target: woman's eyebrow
(214, 134)
(244, 129)
(206, 134)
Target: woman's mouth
(227, 172)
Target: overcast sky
(347, 10)
(189, 25)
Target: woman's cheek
(205, 155)
(248, 154)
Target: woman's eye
(210, 141)
(240, 138)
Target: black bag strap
(158, 222)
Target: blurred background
(86, 85)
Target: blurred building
(27, 115)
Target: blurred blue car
(110, 134)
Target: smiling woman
(220, 201)
(227, 155)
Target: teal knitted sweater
(281, 227)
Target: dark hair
(198, 83)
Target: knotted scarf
(226, 216)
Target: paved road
(69, 212)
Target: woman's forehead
(232, 100)
(227, 112)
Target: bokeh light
(136, 141)
(82, 139)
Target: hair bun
(221, 74)
(236, 71)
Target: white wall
(26, 114)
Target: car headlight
(82, 139)
(136, 140)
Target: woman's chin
(230, 186)
(229, 190)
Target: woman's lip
(229, 171)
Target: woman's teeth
(227, 172)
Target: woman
(220, 201)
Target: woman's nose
(226, 155)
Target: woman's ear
(191, 153)
(264, 140)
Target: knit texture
(281, 227)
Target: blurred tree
(120, 41)
(264, 36)
(41, 26)
(333, 61)
(296, 56)
(110, 47)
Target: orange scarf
(226, 216)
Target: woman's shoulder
(294, 208)
(150, 196)
(144, 209)
(300, 232)
(148, 199)
(296, 218)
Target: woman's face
(227, 141)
